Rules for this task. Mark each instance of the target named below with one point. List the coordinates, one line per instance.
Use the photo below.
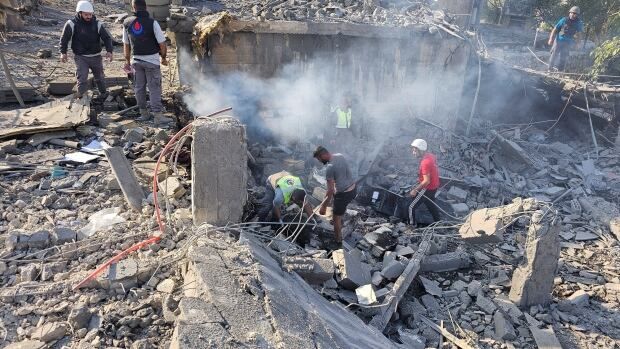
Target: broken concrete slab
(451, 261)
(50, 332)
(313, 270)
(393, 270)
(279, 310)
(220, 177)
(172, 187)
(457, 193)
(125, 176)
(431, 286)
(61, 87)
(486, 304)
(482, 228)
(401, 285)
(59, 114)
(545, 338)
(44, 137)
(351, 274)
(532, 281)
(63, 235)
(503, 328)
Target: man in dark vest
(144, 46)
(563, 37)
(84, 34)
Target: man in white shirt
(144, 45)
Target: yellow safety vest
(288, 184)
(344, 118)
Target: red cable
(160, 223)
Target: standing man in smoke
(282, 188)
(144, 45)
(85, 33)
(341, 187)
(343, 132)
(562, 37)
(428, 182)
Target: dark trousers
(559, 55)
(148, 75)
(428, 199)
(266, 204)
(82, 66)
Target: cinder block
(61, 87)
(445, 262)
(351, 273)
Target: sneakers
(144, 115)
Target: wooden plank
(401, 285)
(449, 336)
(125, 176)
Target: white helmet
(420, 144)
(84, 6)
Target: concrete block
(430, 303)
(124, 272)
(482, 228)
(62, 235)
(503, 328)
(460, 209)
(579, 298)
(457, 193)
(134, 135)
(377, 278)
(532, 281)
(486, 304)
(219, 171)
(39, 239)
(366, 295)
(50, 332)
(445, 262)
(313, 270)
(393, 270)
(351, 274)
(172, 187)
(125, 176)
(545, 338)
(431, 286)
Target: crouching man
(282, 188)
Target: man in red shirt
(428, 180)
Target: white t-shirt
(154, 58)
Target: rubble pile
(393, 13)
(64, 214)
(527, 262)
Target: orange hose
(160, 223)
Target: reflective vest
(344, 118)
(288, 184)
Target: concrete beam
(219, 171)
(125, 176)
(532, 281)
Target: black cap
(319, 150)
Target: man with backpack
(144, 46)
(84, 33)
(563, 37)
